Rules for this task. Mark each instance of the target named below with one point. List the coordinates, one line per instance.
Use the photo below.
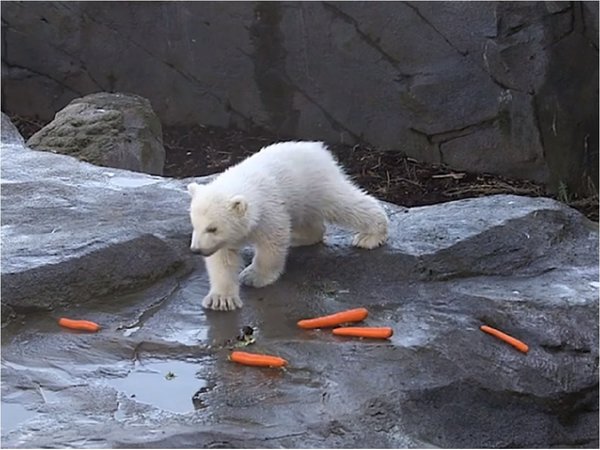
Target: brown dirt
(202, 150)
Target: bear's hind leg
(308, 233)
(353, 209)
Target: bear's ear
(238, 204)
(192, 188)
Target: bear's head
(218, 219)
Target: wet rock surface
(157, 374)
(111, 130)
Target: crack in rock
(573, 25)
(438, 139)
(370, 41)
(492, 76)
(184, 74)
(82, 65)
(336, 124)
(434, 28)
(448, 135)
(33, 72)
(332, 120)
(363, 35)
(522, 26)
(148, 312)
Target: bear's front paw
(222, 302)
(251, 277)
(369, 241)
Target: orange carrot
(254, 359)
(519, 345)
(364, 332)
(84, 325)
(350, 315)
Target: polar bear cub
(281, 196)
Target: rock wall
(504, 87)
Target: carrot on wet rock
(519, 345)
(255, 359)
(83, 325)
(332, 320)
(364, 332)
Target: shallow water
(149, 383)
(14, 414)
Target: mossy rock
(112, 130)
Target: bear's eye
(211, 230)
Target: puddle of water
(13, 414)
(149, 383)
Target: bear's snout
(197, 247)
(201, 251)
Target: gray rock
(111, 130)
(10, 134)
(75, 236)
(73, 231)
(501, 87)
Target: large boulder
(112, 130)
(77, 238)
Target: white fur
(279, 197)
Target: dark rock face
(568, 129)
(502, 87)
(111, 130)
(76, 239)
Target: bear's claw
(369, 241)
(222, 302)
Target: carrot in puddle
(332, 320)
(254, 359)
(84, 325)
(364, 332)
(519, 345)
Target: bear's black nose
(205, 253)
